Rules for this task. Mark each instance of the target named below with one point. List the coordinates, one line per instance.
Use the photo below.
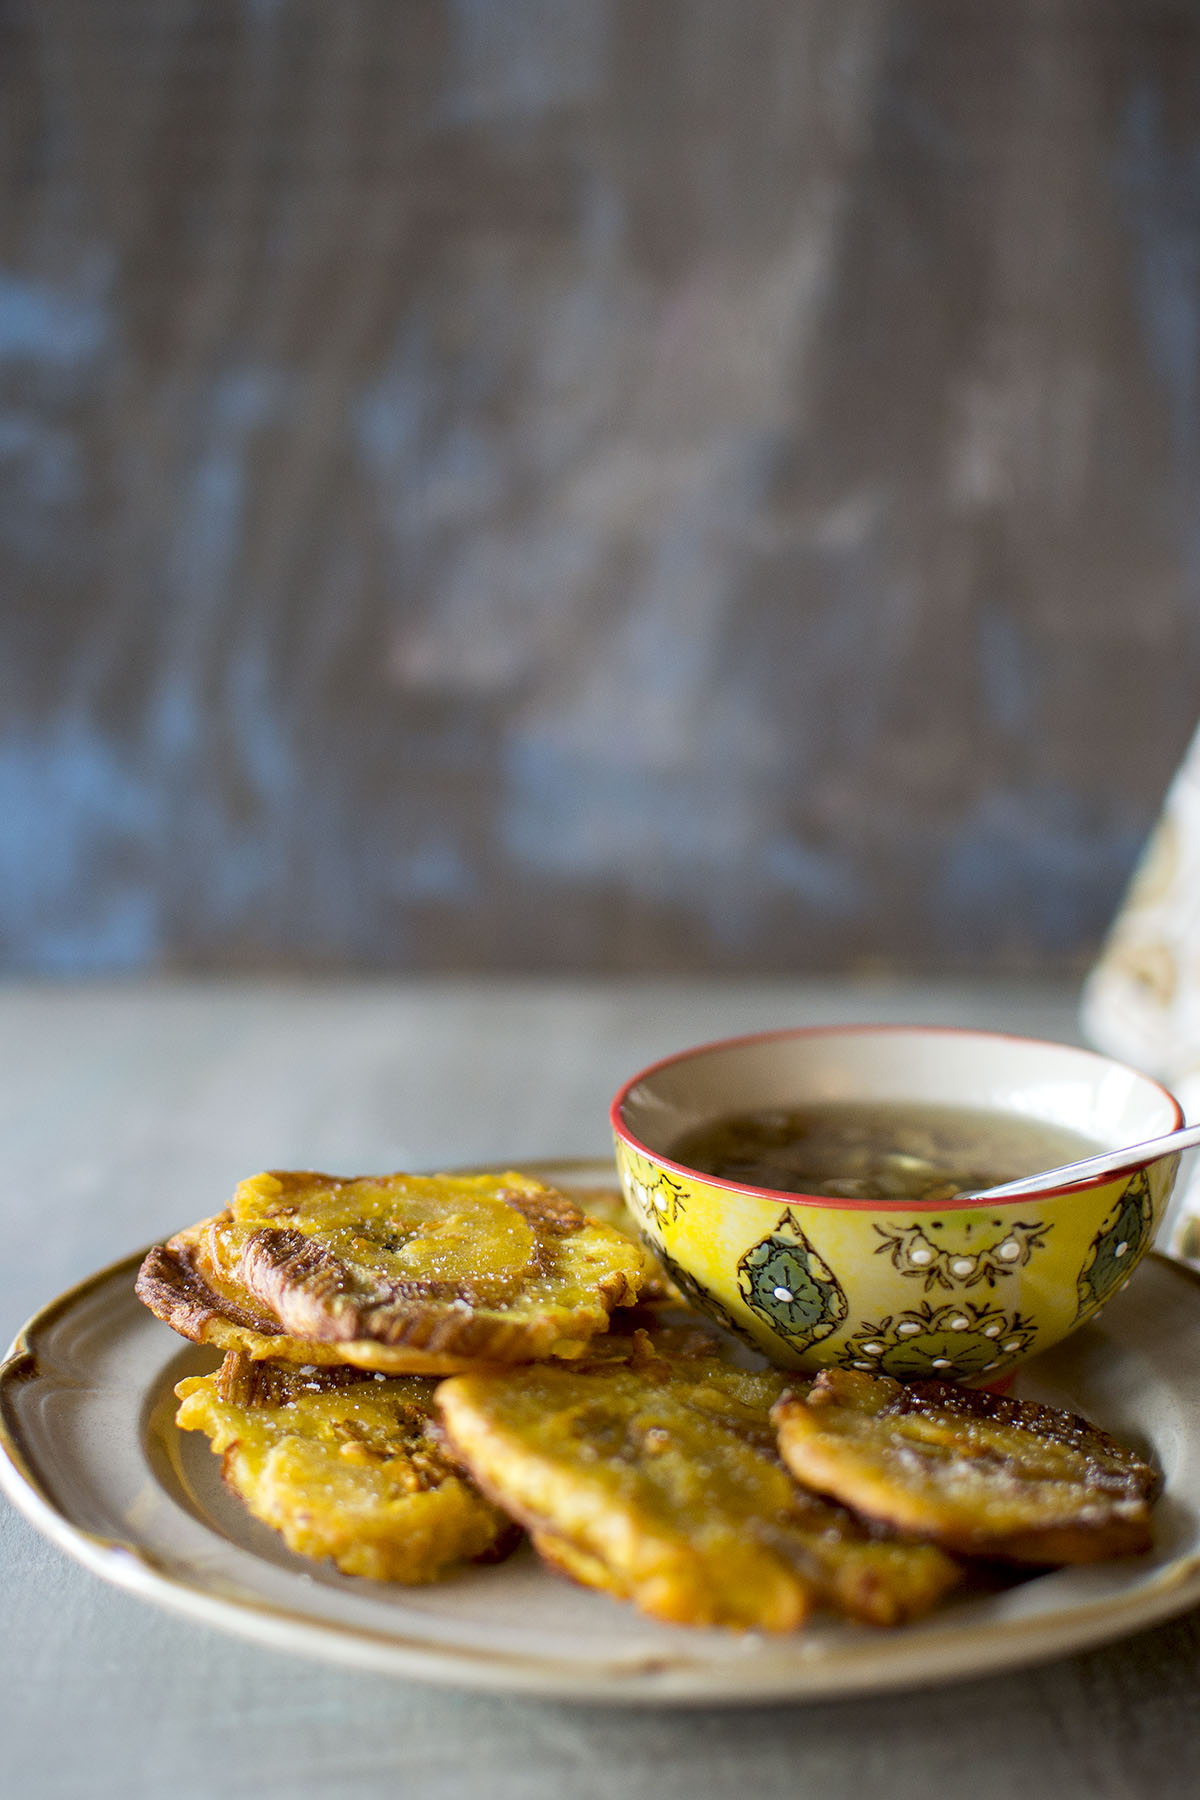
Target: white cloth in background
(1141, 1002)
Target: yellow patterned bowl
(958, 1290)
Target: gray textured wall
(592, 483)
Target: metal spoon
(1090, 1168)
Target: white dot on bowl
(962, 1265)
(660, 1201)
(860, 1365)
(921, 1256)
(1009, 1250)
(1120, 1249)
(959, 1324)
(782, 1293)
(1013, 1344)
(941, 1362)
(991, 1331)
(991, 1365)
(907, 1329)
(873, 1349)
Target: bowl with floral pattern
(955, 1288)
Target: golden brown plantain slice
(183, 1285)
(487, 1268)
(977, 1472)
(179, 1285)
(659, 1482)
(344, 1465)
(608, 1206)
(573, 1273)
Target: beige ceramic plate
(94, 1460)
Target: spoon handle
(1091, 1168)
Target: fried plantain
(979, 1473)
(181, 1287)
(659, 1481)
(183, 1284)
(344, 1465)
(399, 1274)
(491, 1268)
(608, 1206)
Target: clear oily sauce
(862, 1151)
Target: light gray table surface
(128, 1111)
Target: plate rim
(782, 1672)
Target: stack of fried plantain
(417, 1367)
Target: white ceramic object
(1142, 998)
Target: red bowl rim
(783, 1197)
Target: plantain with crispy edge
(658, 1481)
(184, 1285)
(344, 1465)
(608, 1206)
(979, 1473)
(395, 1273)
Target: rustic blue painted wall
(592, 483)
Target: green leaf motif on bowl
(940, 1343)
(1123, 1235)
(784, 1281)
